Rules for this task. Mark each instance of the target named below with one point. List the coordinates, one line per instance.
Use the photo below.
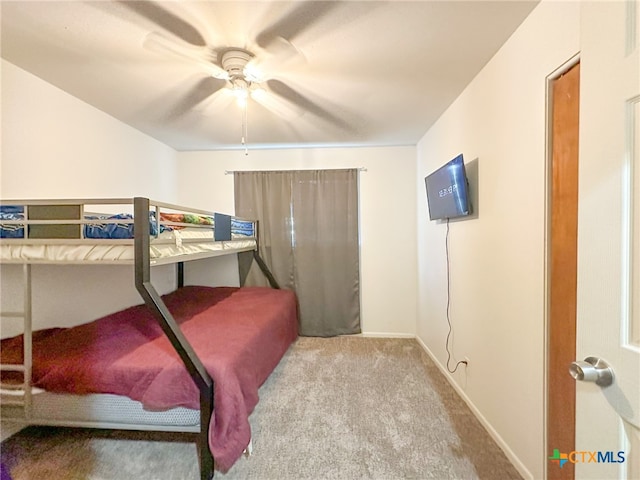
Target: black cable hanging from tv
(463, 362)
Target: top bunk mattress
(101, 252)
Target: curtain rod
(230, 172)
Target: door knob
(592, 369)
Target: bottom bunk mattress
(240, 335)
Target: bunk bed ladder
(24, 400)
(153, 300)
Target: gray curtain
(309, 240)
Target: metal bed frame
(142, 273)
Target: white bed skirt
(101, 411)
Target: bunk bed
(174, 355)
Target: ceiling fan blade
(216, 103)
(283, 90)
(167, 20)
(280, 56)
(159, 43)
(277, 105)
(300, 18)
(282, 52)
(197, 96)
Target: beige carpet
(337, 408)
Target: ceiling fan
(234, 72)
(235, 69)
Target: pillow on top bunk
(242, 227)
(117, 230)
(186, 218)
(11, 212)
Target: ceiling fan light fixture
(244, 79)
(242, 94)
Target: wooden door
(562, 261)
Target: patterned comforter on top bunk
(124, 230)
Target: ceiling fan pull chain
(245, 133)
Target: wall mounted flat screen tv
(448, 191)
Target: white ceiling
(339, 72)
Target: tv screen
(448, 191)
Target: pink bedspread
(240, 334)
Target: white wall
(387, 213)
(497, 259)
(56, 146)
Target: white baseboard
(385, 335)
(513, 458)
